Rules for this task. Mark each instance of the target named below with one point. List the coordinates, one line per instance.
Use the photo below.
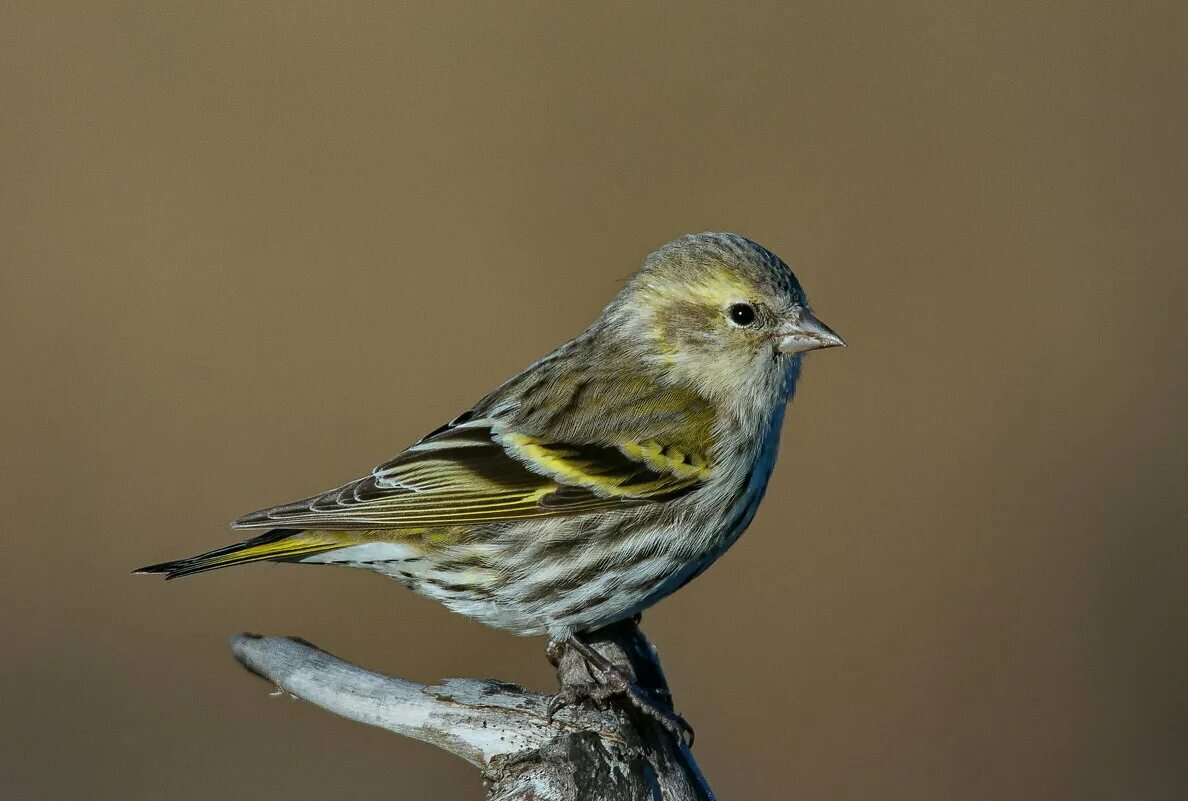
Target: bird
(601, 479)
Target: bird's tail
(277, 544)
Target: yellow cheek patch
(684, 317)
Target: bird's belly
(606, 578)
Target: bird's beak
(806, 333)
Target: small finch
(596, 482)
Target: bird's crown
(717, 267)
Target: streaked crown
(728, 262)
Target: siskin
(596, 482)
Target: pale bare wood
(583, 754)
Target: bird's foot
(612, 680)
(620, 682)
(575, 694)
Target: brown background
(248, 254)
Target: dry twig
(613, 754)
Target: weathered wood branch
(585, 753)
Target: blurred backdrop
(247, 254)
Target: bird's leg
(612, 680)
(571, 692)
(605, 680)
(554, 651)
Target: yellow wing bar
(470, 474)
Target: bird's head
(721, 313)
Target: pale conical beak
(808, 333)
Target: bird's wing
(475, 471)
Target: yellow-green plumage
(598, 480)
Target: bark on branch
(585, 753)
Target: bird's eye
(741, 314)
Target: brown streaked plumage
(597, 481)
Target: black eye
(741, 314)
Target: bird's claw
(645, 702)
(614, 680)
(574, 694)
(676, 725)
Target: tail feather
(277, 544)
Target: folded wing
(474, 472)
